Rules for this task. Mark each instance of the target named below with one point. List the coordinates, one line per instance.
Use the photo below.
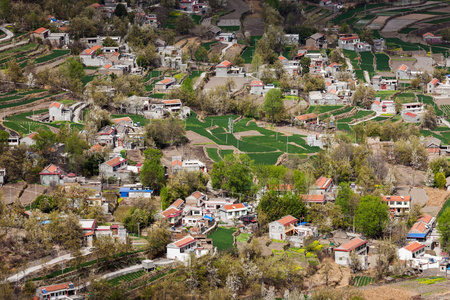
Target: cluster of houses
(57, 40)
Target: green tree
(109, 42)
(429, 120)
(344, 28)
(202, 54)
(305, 62)
(44, 141)
(344, 195)
(184, 24)
(257, 62)
(233, 174)
(44, 203)
(273, 105)
(14, 72)
(443, 226)
(364, 95)
(159, 238)
(371, 216)
(446, 33)
(275, 206)
(72, 73)
(5, 8)
(440, 180)
(152, 172)
(120, 11)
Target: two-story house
(58, 112)
(383, 107)
(321, 186)
(398, 204)
(173, 216)
(51, 175)
(411, 251)
(233, 211)
(422, 228)
(180, 250)
(56, 291)
(357, 245)
(110, 167)
(280, 229)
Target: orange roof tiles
(177, 203)
(419, 227)
(184, 241)
(403, 68)
(196, 194)
(176, 162)
(167, 80)
(56, 287)
(410, 114)
(40, 30)
(115, 161)
(51, 170)
(224, 64)
(234, 206)
(257, 83)
(118, 120)
(428, 34)
(174, 101)
(31, 135)
(313, 198)
(323, 182)
(96, 148)
(353, 244)
(281, 57)
(287, 220)
(425, 218)
(55, 104)
(306, 117)
(434, 81)
(107, 66)
(416, 246)
(396, 198)
(170, 211)
(96, 47)
(116, 53)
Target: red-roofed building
(411, 251)
(233, 211)
(196, 199)
(280, 229)
(403, 72)
(430, 38)
(383, 107)
(305, 119)
(56, 291)
(314, 199)
(110, 167)
(357, 245)
(173, 215)
(165, 84)
(28, 140)
(256, 87)
(422, 228)
(58, 112)
(432, 85)
(181, 249)
(42, 33)
(178, 204)
(173, 105)
(398, 204)
(225, 69)
(322, 185)
(51, 175)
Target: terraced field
(213, 154)
(367, 62)
(53, 55)
(126, 278)
(382, 62)
(362, 281)
(259, 143)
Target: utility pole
(287, 145)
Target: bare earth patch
(233, 51)
(388, 293)
(218, 81)
(416, 17)
(437, 197)
(238, 135)
(196, 138)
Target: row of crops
(362, 281)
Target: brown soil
(11, 191)
(406, 175)
(388, 293)
(238, 135)
(233, 51)
(135, 155)
(216, 49)
(415, 17)
(437, 197)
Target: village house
(314, 199)
(422, 228)
(306, 119)
(227, 37)
(441, 88)
(173, 216)
(432, 85)
(333, 69)
(98, 41)
(430, 38)
(318, 63)
(51, 175)
(397, 204)
(404, 72)
(357, 245)
(233, 211)
(411, 251)
(380, 84)
(379, 45)
(257, 87)
(170, 56)
(181, 249)
(165, 84)
(118, 70)
(290, 66)
(321, 186)
(58, 112)
(314, 140)
(196, 199)
(292, 39)
(226, 69)
(107, 136)
(111, 167)
(28, 139)
(352, 42)
(135, 191)
(412, 112)
(317, 40)
(433, 146)
(214, 204)
(383, 107)
(56, 39)
(280, 229)
(57, 291)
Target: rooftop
(353, 244)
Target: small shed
(148, 265)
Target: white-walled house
(57, 112)
(383, 107)
(357, 245)
(398, 204)
(278, 230)
(181, 249)
(412, 251)
(232, 211)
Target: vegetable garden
(362, 281)
(126, 278)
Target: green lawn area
(230, 28)
(384, 94)
(243, 237)
(126, 278)
(382, 62)
(323, 108)
(55, 54)
(362, 281)
(213, 154)
(136, 118)
(222, 238)
(446, 205)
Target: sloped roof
(416, 246)
(396, 198)
(286, 220)
(425, 218)
(434, 81)
(57, 287)
(306, 117)
(107, 66)
(317, 35)
(97, 148)
(418, 227)
(224, 64)
(403, 68)
(170, 211)
(281, 57)
(353, 244)
(55, 104)
(313, 198)
(196, 194)
(177, 203)
(115, 161)
(118, 120)
(40, 30)
(410, 114)
(165, 81)
(184, 241)
(173, 101)
(51, 170)
(323, 182)
(234, 206)
(257, 83)
(177, 162)
(434, 141)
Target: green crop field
(367, 62)
(384, 94)
(126, 278)
(150, 75)
(196, 18)
(446, 206)
(213, 154)
(360, 114)
(243, 237)
(222, 238)
(247, 55)
(323, 108)
(55, 54)
(407, 30)
(224, 153)
(350, 13)
(382, 62)
(354, 58)
(360, 75)
(135, 118)
(362, 281)
(230, 28)
(87, 79)
(265, 158)
(398, 43)
(439, 21)
(405, 97)
(348, 109)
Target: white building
(57, 112)
(380, 84)
(412, 112)
(257, 87)
(181, 249)
(357, 245)
(232, 211)
(226, 69)
(383, 107)
(398, 204)
(412, 251)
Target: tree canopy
(371, 216)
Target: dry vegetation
(437, 197)
(387, 293)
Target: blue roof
(303, 223)
(208, 217)
(416, 235)
(127, 190)
(46, 222)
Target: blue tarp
(416, 235)
(208, 217)
(124, 191)
(46, 222)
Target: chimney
(402, 197)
